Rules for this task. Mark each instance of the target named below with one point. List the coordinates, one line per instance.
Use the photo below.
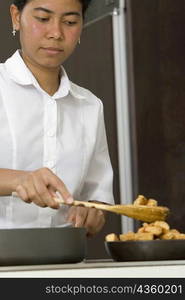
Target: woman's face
(49, 30)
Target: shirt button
(50, 133)
(51, 102)
(50, 164)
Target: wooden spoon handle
(78, 203)
(85, 204)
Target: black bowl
(42, 246)
(146, 250)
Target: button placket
(50, 130)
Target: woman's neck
(48, 79)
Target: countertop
(99, 269)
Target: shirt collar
(67, 87)
(24, 76)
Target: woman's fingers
(28, 194)
(40, 187)
(45, 193)
(32, 191)
(22, 193)
(78, 215)
(90, 218)
(62, 189)
(51, 180)
(95, 221)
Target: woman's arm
(9, 180)
(39, 186)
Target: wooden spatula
(139, 212)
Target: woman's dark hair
(21, 3)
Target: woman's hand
(91, 218)
(40, 187)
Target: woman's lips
(52, 51)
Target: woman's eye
(42, 19)
(70, 23)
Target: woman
(52, 131)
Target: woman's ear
(15, 15)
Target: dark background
(157, 84)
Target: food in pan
(158, 230)
(131, 236)
(112, 237)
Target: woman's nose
(55, 31)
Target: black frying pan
(42, 246)
(146, 250)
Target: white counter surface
(99, 269)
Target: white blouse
(64, 132)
